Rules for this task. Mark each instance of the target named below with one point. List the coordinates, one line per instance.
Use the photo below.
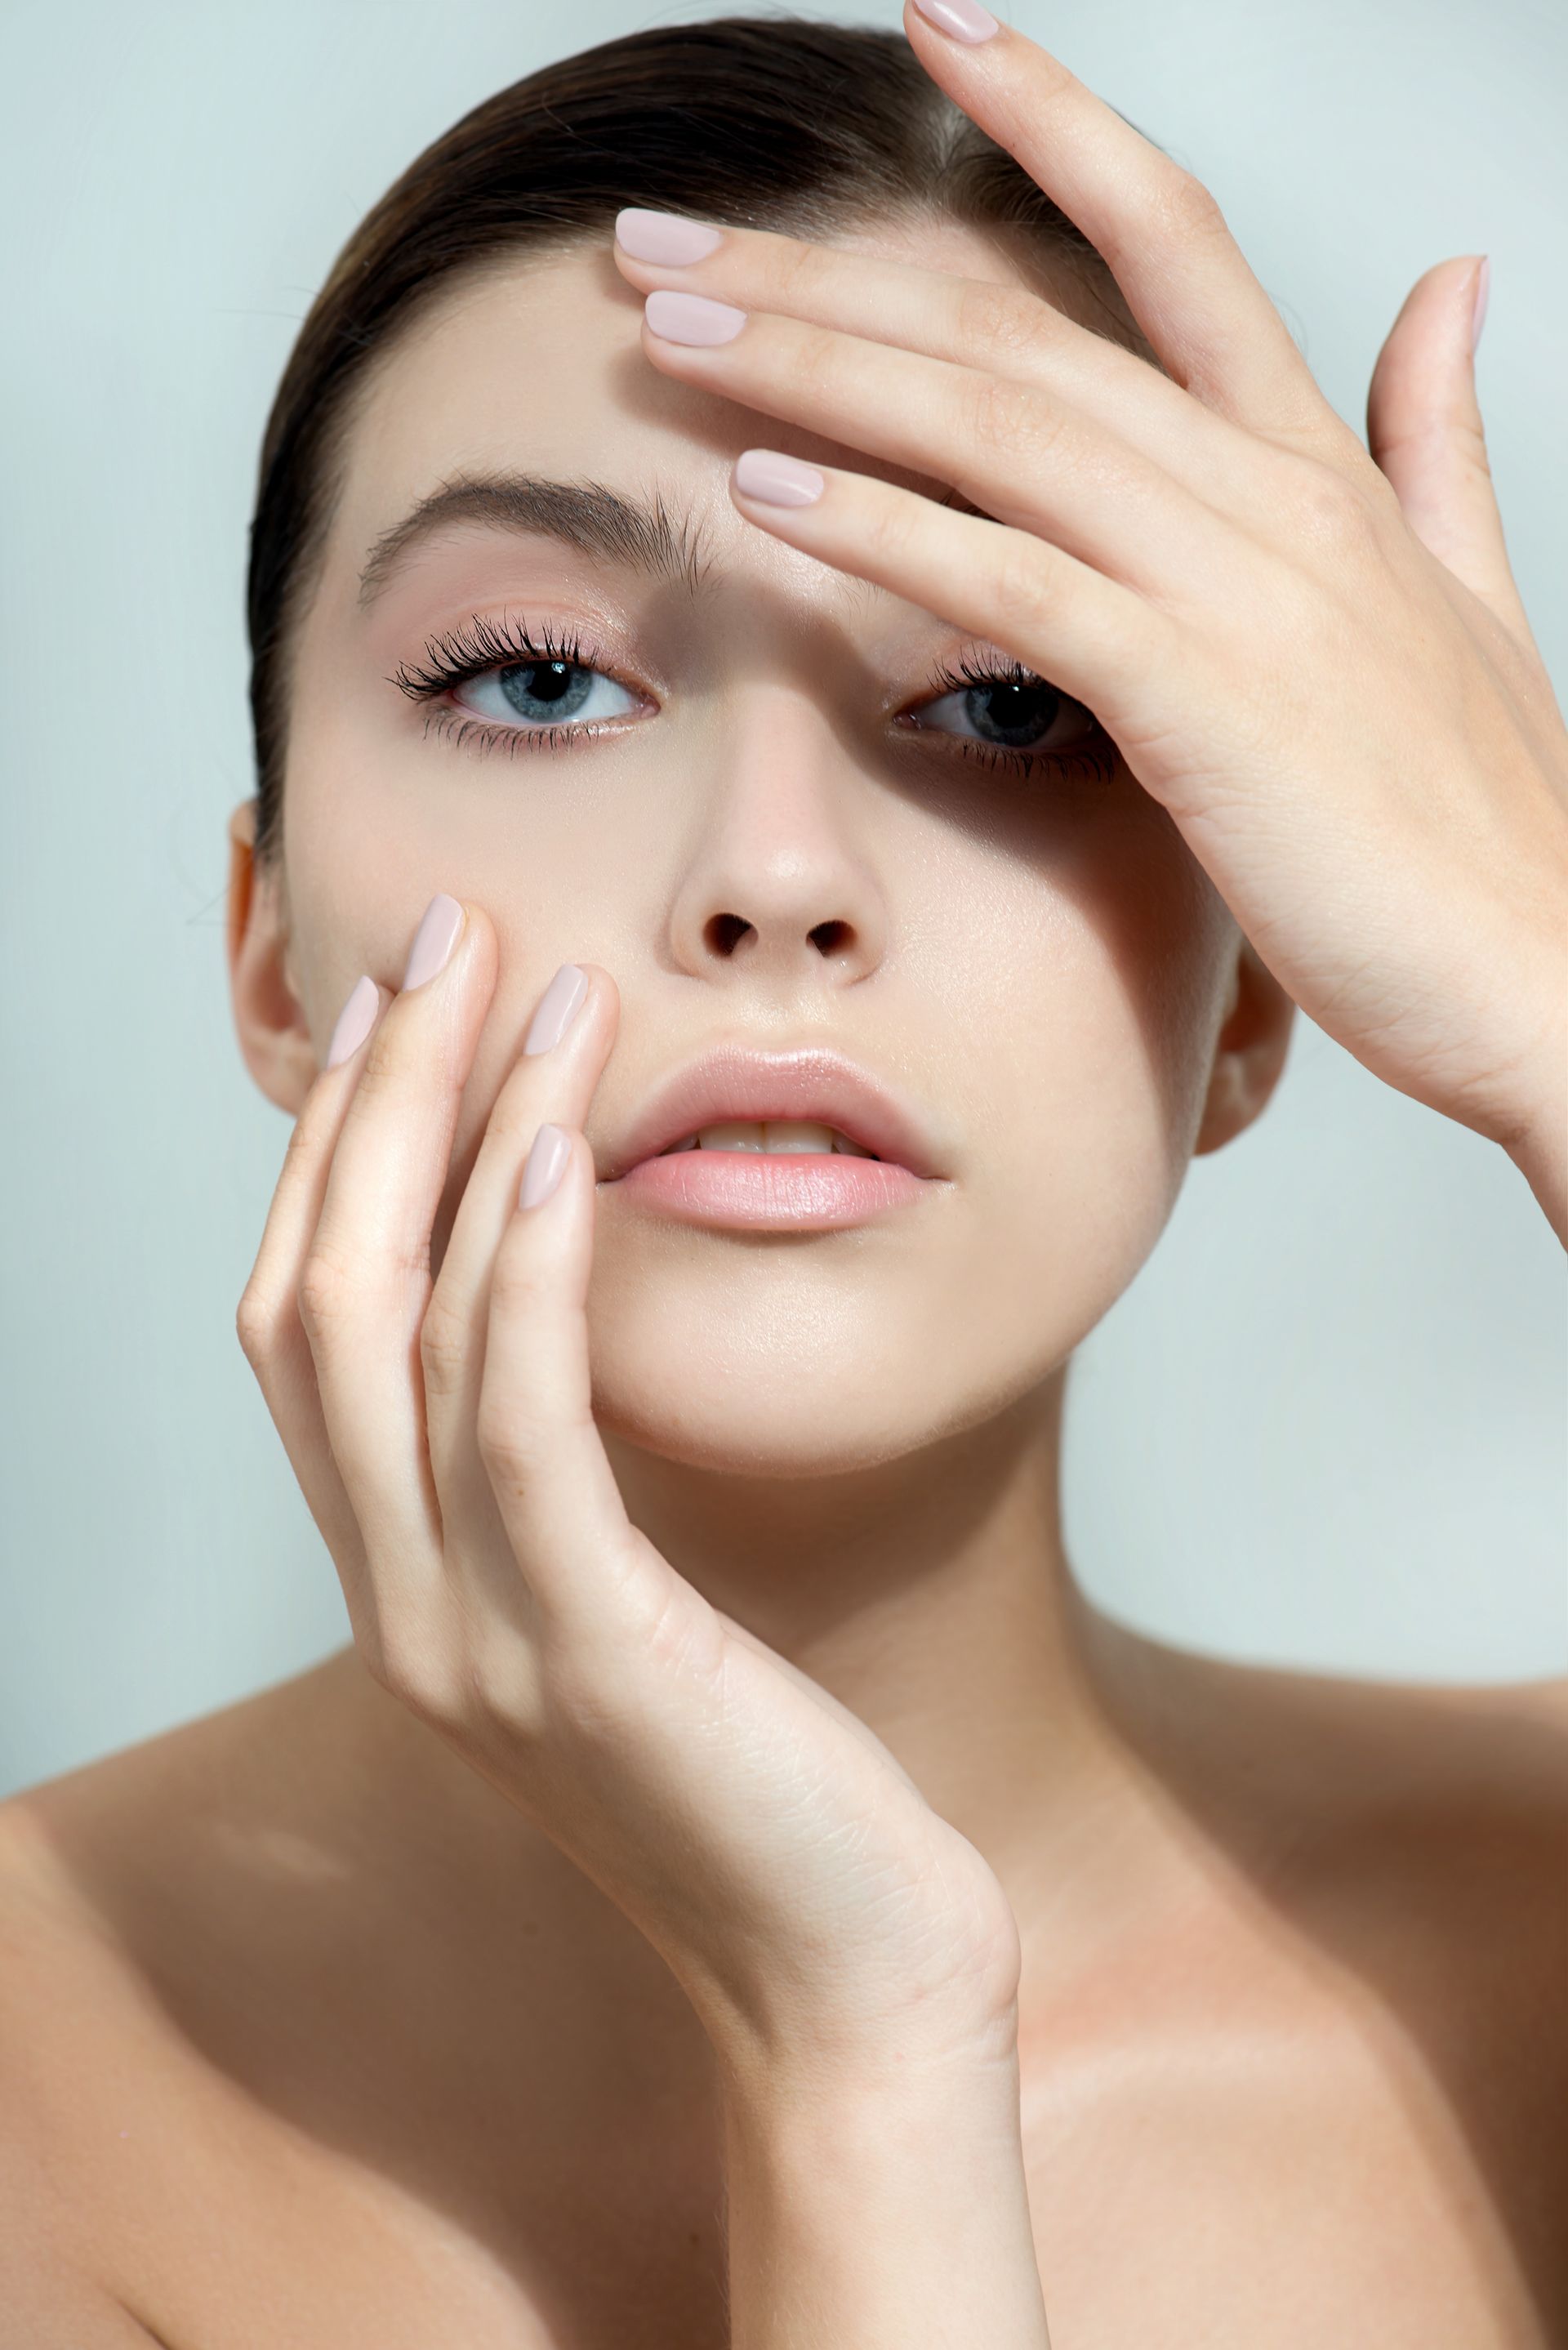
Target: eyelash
(479, 646)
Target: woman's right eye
(525, 694)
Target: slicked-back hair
(751, 122)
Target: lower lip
(809, 1190)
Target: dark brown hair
(756, 122)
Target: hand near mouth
(812, 1904)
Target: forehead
(538, 360)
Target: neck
(932, 1597)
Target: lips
(735, 1083)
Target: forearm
(881, 2207)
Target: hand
(807, 1897)
(1316, 663)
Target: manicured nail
(558, 1009)
(664, 237)
(775, 480)
(691, 317)
(1483, 295)
(552, 1148)
(966, 20)
(355, 1021)
(439, 931)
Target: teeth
(773, 1135)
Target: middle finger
(973, 322)
(1018, 456)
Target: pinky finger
(270, 1330)
(1045, 607)
(553, 1483)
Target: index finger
(1161, 231)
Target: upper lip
(736, 1082)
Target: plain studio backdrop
(1325, 1426)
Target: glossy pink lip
(811, 1188)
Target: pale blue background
(1325, 1425)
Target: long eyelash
(1095, 755)
(479, 645)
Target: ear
(274, 1035)
(1249, 1052)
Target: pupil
(545, 689)
(1015, 714)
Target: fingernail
(439, 931)
(1483, 295)
(775, 480)
(966, 20)
(691, 317)
(556, 1010)
(664, 236)
(552, 1146)
(355, 1021)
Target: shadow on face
(767, 811)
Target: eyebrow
(639, 534)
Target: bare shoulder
(63, 2006)
(117, 1893)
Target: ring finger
(564, 1053)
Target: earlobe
(274, 1033)
(1249, 1051)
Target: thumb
(1425, 432)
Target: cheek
(363, 858)
(1074, 1064)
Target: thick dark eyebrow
(640, 536)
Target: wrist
(1540, 1151)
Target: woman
(734, 1888)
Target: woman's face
(786, 832)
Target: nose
(783, 888)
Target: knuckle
(997, 318)
(1188, 208)
(446, 1343)
(799, 270)
(326, 1293)
(508, 1444)
(405, 1667)
(255, 1325)
(1011, 423)
(819, 356)
(1025, 590)
(1328, 509)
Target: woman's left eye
(1011, 715)
(526, 695)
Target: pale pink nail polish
(1483, 295)
(552, 1146)
(355, 1022)
(557, 1008)
(664, 237)
(439, 931)
(775, 480)
(691, 317)
(966, 20)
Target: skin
(1231, 1995)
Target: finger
(1087, 634)
(568, 1041)
(1425, 432)
(973, 322)
(366, 1277)
(1015, 453)
(270, 1330)
(1208, 319)
(559, 1502)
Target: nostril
(829, 937)
(726, 931)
